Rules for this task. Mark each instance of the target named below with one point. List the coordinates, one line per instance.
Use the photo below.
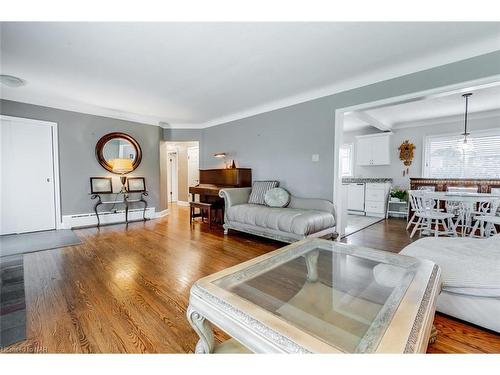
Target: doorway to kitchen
(371, 170)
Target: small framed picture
(101, 185)
(136, 184)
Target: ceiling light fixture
(466, 144)
(11, 81)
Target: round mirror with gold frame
(115, 146)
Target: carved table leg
(433, 336)
(98, 197)
(312, 265)
(203, 328)
(144, 194)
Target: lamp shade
(220, 155)
(122, 165)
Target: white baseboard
(376, 214)
(90, 219)
(182, 203)
(161, 213)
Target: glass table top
(341, 294)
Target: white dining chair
(413, 218)
(460, 209)
(487, 220)
(426, 213)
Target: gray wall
(279, 144)
(276, 145)
(416, 136)
(78, 135)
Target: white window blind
(445, 158)
(346, 160)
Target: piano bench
(205, 211)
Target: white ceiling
(484, 100)
(202, 74)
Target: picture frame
(136, 184)
(101, 185)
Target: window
(346, 160)
(444, 156)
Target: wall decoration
(119, 146)
(136, 184)
(406, 155)
(101, 185)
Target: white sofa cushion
(290, 220)
(470, 266)
(277, 197)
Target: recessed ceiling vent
(11, 81)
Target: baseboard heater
(106, 217)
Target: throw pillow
(277, 197)
(259, 190)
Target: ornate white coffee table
(318, 296)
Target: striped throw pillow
(259, 190)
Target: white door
(193, 167)
(172, 177)
(27, 176)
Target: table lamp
(221, 155)
(122, 166)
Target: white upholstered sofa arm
(235, 196)
(313, 204)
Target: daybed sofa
(301, 218)
(471, 276)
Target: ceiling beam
(363, 116)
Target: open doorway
(372, 174)
(183, 170)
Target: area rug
(12, 302)
(13, 244)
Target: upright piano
(213, 180)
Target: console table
(126, 201)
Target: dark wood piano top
(207, 189)
(213, 180)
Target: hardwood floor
(389, 235)
(126, 289)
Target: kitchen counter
(372, 180)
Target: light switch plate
(315, 157)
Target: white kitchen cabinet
(376, 199)
(373, 149)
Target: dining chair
(460, 209)
(426, 213)
(487, 221)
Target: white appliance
(356, 198)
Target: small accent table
(396, 209)
(319, 296)
(126, 201)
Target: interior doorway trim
(414, 96)
(55, 158)
(173, 178)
